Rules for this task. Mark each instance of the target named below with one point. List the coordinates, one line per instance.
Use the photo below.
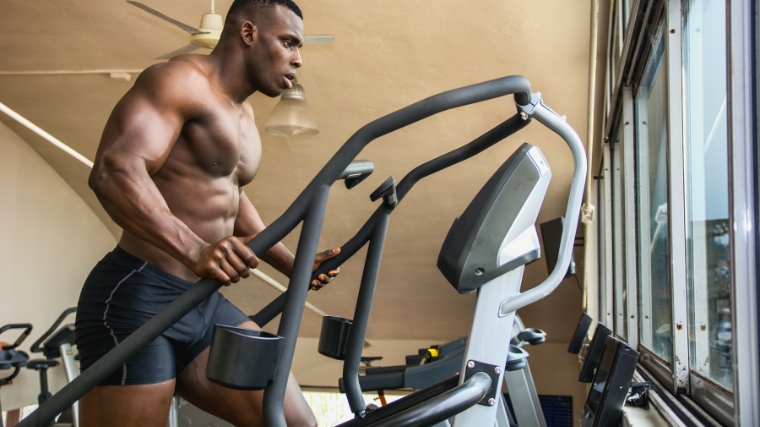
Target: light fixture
(292, 116)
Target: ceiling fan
(207, 36)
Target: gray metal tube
(559, 125)
(361, 317)
(274, 394)
(442, 407)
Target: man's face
(277, 55)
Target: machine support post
(274, 394)
(361, 317)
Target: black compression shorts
(121, 293)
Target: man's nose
(296, 62)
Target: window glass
(652, 205)
(618, 236)
(706, 163)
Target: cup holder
(334, 337)
(243, 359)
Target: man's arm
(136, 142)
(249, 223)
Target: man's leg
(127, 405)
(238, 407)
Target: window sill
(658, 414)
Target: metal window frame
(606, 296)
(629, 181)
(676, 197)
(743, 202)
(619, 265)
(710, 396)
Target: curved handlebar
(27, 330)
(558, 124)
(442, 407)
(36, 347)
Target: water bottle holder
(333, 337)
(243, 359)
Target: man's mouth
(289, 80)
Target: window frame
(737, 407)
(743, 202)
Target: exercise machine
(57, 344)
(438, 362)
(10, 358)
(515, 192)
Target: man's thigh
(238, 407)
(127, 405)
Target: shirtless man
(170, 170)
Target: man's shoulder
(175, 72)
(173, 81)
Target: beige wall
(49, 240)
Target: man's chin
(272, 92)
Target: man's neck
(229, 72)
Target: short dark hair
(252, 7)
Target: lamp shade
(292, 116)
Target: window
(655, 310)
(706, 177)
(678, 243)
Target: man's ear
(249, 32)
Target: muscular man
(170, 170)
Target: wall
(50, 240)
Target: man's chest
(225, 142)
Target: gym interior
(663, 95)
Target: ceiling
(385, 56)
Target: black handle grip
(36, 347)
(27, 327)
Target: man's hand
(324, 279)
(226, 261)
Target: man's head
(251, 8)
(270, 32)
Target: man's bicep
(146, 122)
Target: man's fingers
(218, 274)
(333, 273)
(237, 265)
(245, 253)
(230, 271)
(330, 253)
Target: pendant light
(292, 116)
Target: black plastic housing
(594, 354)
(478, 233)
(333, 337)
(604, 405)
(243, 359)
(551, 234)
(576, 342)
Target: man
(170, 170)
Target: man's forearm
(280, 258)
(134, 202)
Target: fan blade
(154, 12)
(185, 49)
(318, 39)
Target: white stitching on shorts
(105, 322)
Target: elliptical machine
(468, 398)
(10, 358)
(53, 344)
